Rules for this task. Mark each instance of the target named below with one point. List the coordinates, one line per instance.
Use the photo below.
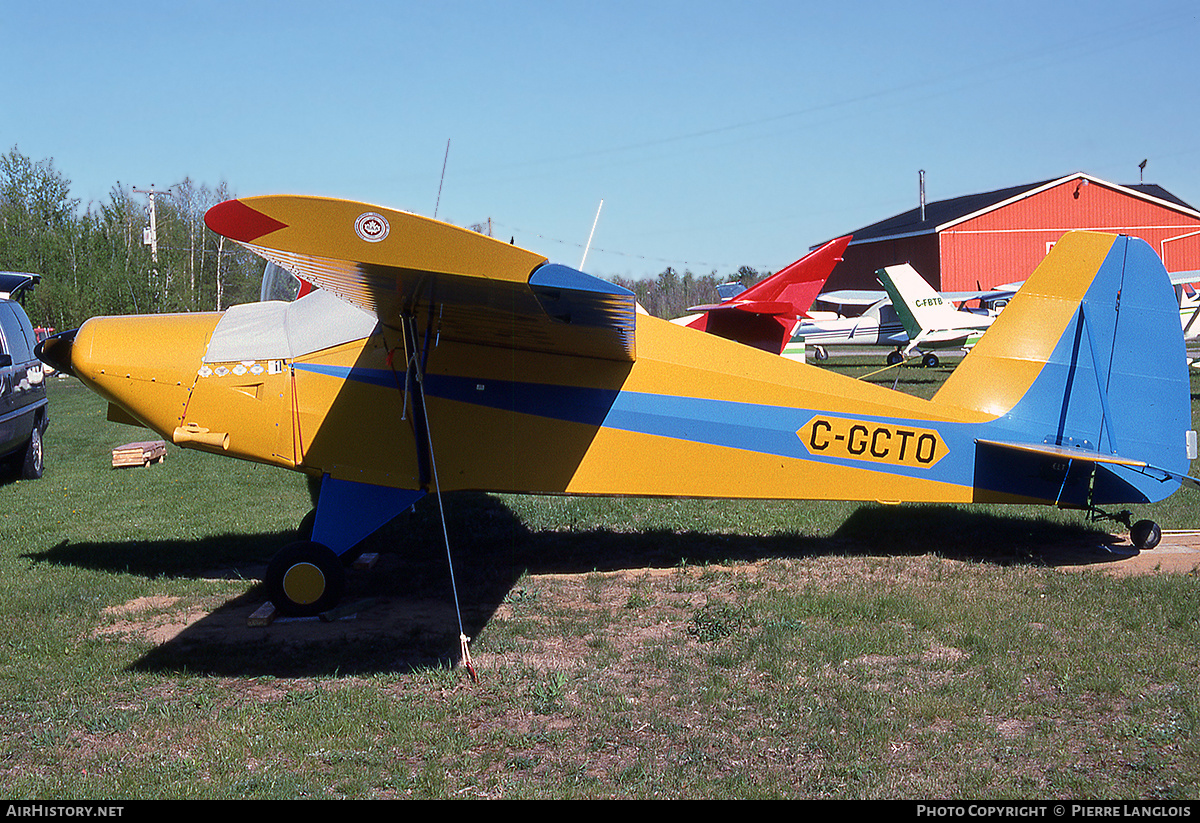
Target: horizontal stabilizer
(1058, 454)
(1066, 453)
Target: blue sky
(716, 134)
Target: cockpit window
(279, 284)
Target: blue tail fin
(1085, 376)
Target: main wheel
(305, 530)
(894, 357)
(1145, 534)
(34, 464)
(305, 579)
(930, 360)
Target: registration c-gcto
(889, 443)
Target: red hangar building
(998, 237)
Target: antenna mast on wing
(442, 179)
(590, 234)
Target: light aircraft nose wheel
(305, 579)
(1145, 534)
(894, 357)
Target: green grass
(624, 648)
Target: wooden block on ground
(139, 454)
(263, 615)
(366, 561)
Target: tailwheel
(1145, 534)
(305, 579)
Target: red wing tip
(237, 221)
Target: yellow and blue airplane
(431, 358)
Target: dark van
(23, 408)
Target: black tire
(304, 531)
(305, 579)
(34, 464)
(1145, 534)
(930, 361)
(894, 358)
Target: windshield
(279, 284)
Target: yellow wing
(470, 287)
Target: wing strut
(417, 358)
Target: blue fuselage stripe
(750, 427)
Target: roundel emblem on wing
(371, 227)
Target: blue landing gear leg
(308, 577)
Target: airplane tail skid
(1084, 379)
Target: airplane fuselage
(603, 427)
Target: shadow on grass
(401, 615)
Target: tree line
(671, 294)
(97, 260)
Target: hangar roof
(942, 214)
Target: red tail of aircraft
(766, 315)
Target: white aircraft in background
(1185, 283)
(877, 325)
(930, 321)
(881, 325)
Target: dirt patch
(422, 629)
(1177, 553)
(157, 619)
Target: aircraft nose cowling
(146, 364)
(55, 351)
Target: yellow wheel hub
(304, 583)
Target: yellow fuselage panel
(658, 466)
(250, 402)
(355, 429)
(153, 368)
(581, 446)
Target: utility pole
(150, 235)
